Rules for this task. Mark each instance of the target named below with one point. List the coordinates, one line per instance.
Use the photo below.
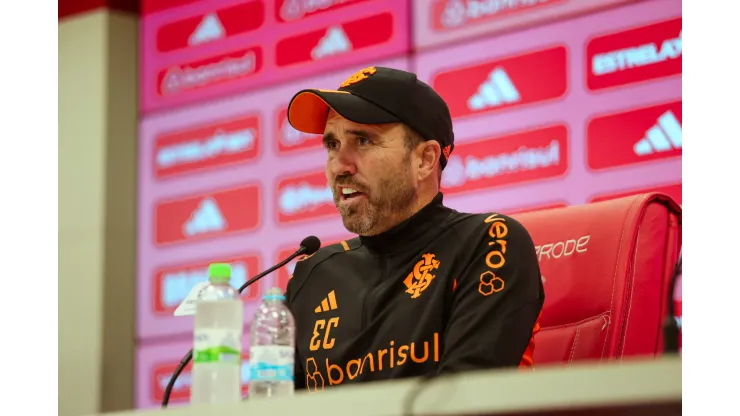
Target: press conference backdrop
(555, 103)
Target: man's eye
(331, 145)
(363, 140)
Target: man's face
(370, 174)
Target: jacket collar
(411, 230)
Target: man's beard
(392, 198)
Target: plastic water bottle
(271, 355)
(217, 343)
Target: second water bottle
(271, 354)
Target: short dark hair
(413, 138)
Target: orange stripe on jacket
(528, 357)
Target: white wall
(97, 205)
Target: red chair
(606, 268)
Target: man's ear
(430, 152)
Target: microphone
(309, 245)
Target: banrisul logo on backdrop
(516, 158)
(292, 10)
(215, 70)
(635, 55)
(207, 146)
(449, 15)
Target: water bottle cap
(274, 293)
(219, 272)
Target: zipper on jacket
(365, 312)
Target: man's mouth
(349, 193)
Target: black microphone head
(310, 245)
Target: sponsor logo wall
(438, 22)
(581, 105)
(194, 51)
(568, 112)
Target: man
(424, 289)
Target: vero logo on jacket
(635, 136)
(504, 83)
(635, 55)
(207, 215)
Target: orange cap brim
(309, 109)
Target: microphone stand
(189, 356)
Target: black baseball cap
(378, 95)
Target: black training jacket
(442, 291)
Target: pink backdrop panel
(504, 91)
(206, 50)
(438, 22)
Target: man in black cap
(423, 289)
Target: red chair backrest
(606, 268)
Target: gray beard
(391, 201)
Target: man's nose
(343, 163)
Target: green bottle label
(217, 346)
